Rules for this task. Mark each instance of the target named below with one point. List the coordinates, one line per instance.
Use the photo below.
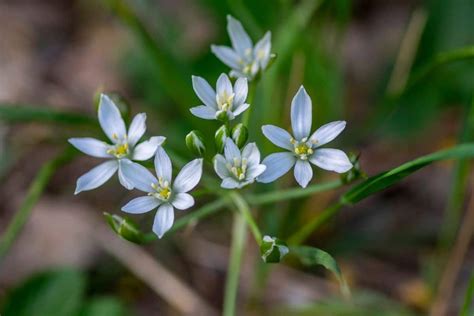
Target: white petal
(137, 129)
(164, 219)
(138, 176)
(111, 120)
(262, 49)
(301, 114)
(255, 170)
(327, 132)
(227, 55)
(141, 205)
(223, 86)
(183, 201)
(163, 166)
(231, 150)
(124, 181)
(303, 172)
(331, 159)
(91, 146)
(241, 108)
(239, 38)
(204, 112)
(189, 176)
(230, 183)
(220, 166)
(241, 90)
(96, 176)
(145, 150)
(204, 91)
(251, 153)
(277, 165)
(278, 136)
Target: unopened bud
(195, 143)
(125, 228)
(221, 135)
(356, 172)
(240, 134)
(273, 249)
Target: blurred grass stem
(239, 232)
(32, 196)
(454, 264)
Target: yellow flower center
(239, 168)
(119, 150)
(301, 149)
(162, 188)
(224, 101)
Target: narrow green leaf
(57, 293)
(19, 113)
(468, 298)
(386, 179)
(311, 256)
(32, 197)
(168, 68)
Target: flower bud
(221, 135)
(356, 172)
(195, 143)
(240, 134)
(124, 227)
(273, 249)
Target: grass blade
(19, 114)
(34, 193)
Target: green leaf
(311, 256)
(14, 113)
(35, 190)
(386, 179)
(57, 293)
(103, 306)
(468, 298)
(362, 303)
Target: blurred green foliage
(59, 292)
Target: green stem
(244, 209)
(250, 97)
(301, 235)
(237, 248)
(288, 194)
(34, 192)
(193, 216)
(459, 183)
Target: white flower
(237, 169)
(303, 147)
(123, 149)
(225, 103)
(245, 59)
(162, 193)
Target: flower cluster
(122, 153)
(236, 162)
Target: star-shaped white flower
(225, 103)
(162, 193)
(245, 59)
(121, 152)
(303, 148)
(236, 168)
